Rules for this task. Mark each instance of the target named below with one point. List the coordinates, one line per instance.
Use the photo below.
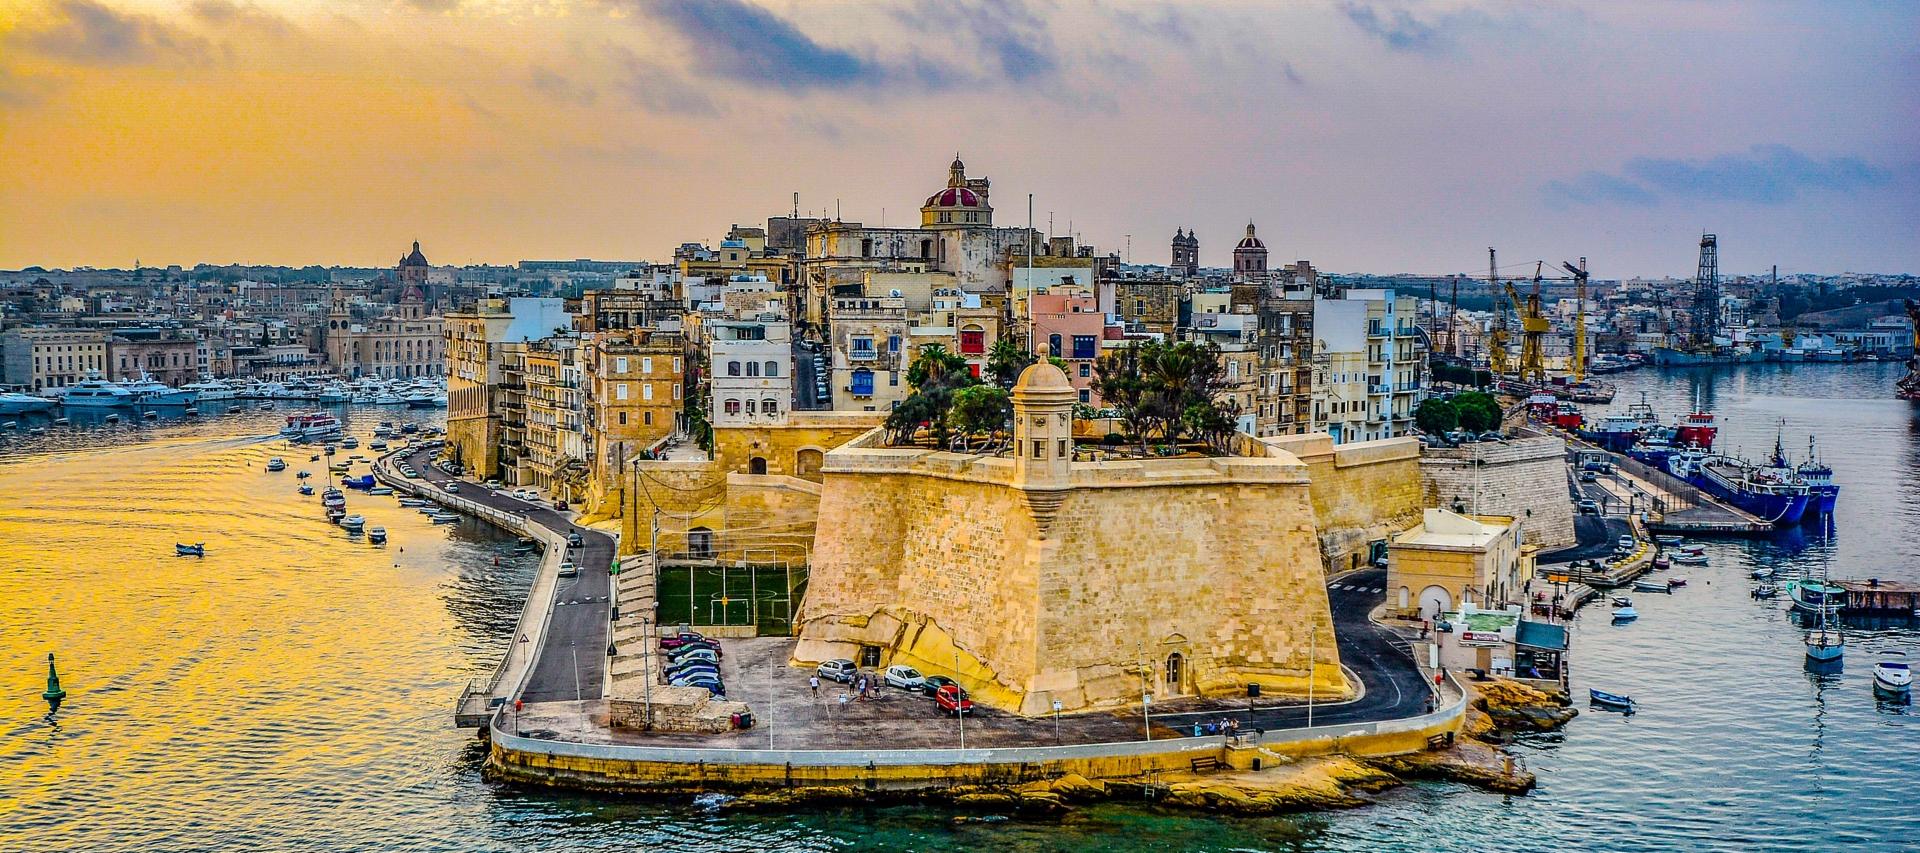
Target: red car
(674, 641)
(952, 701)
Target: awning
(1541, 635)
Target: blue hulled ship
(1818, 477)
(1770, 492)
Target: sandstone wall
(1525, 478)
(787, 448)
(1362, 492)
(925, 554)
(746, 515)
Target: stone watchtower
(1043, 401)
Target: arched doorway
(757, 465)
(700, 543)
(1176, 670)
(806, 464)
(1433, 602)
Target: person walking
(813, 681)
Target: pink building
(1069, 326)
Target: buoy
(54, 694)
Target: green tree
(935, 374)
(1478, 411)
(1436, 416)
(1165, 390)
(979, 410)
(1005, 360)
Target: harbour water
(292, 690)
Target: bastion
(1040, 582)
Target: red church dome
(954, 197)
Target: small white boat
(377, 535)
(1625, 614)
(353, 523)
(1761, 573)
(276, 464)
(1893, 679)
(380, 490)
(1691, 557)
(444, 517)
(415, 502)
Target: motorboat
(111, 419)
(444, 517)
(1816, 596)
(340, 467)
(415, 503)
(1622, 601)
(380, 490)
(311, 425)
(377, 445)
(1893, 679)
(377, 535)
(362, 482)
(1675, 583)
(1651, 586)
(1691, 557)
(62, 422)
(353, 523)
(409, 429)
(427, 401)
(1625, 614)
(1610, 700)
(335, 513)
(305, 489)
(350, 443)
(1661, 563)
(147, 392)
(150, 415)
(1668, 539)
(304, 474)
(96, 393)
(12, 403)
(198, 549)
(333, 497)
(1765, 592)
(192, 412)
(276, 464)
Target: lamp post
(1313, 636)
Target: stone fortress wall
(1522, 477)
(1362, 492)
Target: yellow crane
(1497, 338)
(1534, 326)
(1579, 367)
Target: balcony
(862, 355)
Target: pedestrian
(813, 681)
(1196, 728)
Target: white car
(568, 569)
(904, 677)
(527, 495)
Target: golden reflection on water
(288, 677)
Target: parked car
(699, 679)
(838, 669)
(1589, 507)
(952, 701)
(574, 540)
(713, 687)
(451, 486)
(934, 683)
(493, 484)
(904, 677)
(697, 645)
(1626, 543)
(1589, 477)
(691, 669)
(569, 570)
(674, 641)
(527, 495)
(692, 653)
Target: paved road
(806, 389)
(572, 663)
(1395, 688)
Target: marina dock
(1878, 595)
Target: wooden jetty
(1878, 595)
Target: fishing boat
(333, 497)
(1892, 679)
(1825, 643)
(195, 550)
(1818, 476)
(1816, 596)
(1691, 556)
(276, 464)
(382, 491)
(1610, 700)
(377, 535)
(1625, 614)
(444, 517)
(305, 489)
(1765, 592)
(362, 482)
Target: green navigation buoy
(54, 693)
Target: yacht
(207, 390)
(19, 404)
(147, 392)
(96, 394)
(314, 425)
(426, 400)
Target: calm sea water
(292, 690)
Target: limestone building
(1450, 560)
(1037, 579)
(38, 358)
(752, 371)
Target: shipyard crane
(1579, 366)
(1534, 326)
(1497, 339)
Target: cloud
(225, 13)
(87, 32)
(1008, 32)
(735, 40)
(555, 85)
(1764, 174)
(659, 89)
(19, 91)
(1398, 28)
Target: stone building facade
(1524, 478)
(167, 356)
(38, 358)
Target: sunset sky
(1365, 136)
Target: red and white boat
(312, 425)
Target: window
(893, 378)
(733, 368)
(866, 248)
(733, 407)
(861, 347)
(973, 340)
(753, 368)
(1063, 443)
(1083, 346)
(676, 364)
(646, 418)
(893, 344)
(1039, 449)
(620, 391)
(646, 365)
(1086, 396)
(749, 407)
(773, 368)
(770, 407)
(863, 383)
(623, 418)
(620, 364)
(1053, 346)
(676, 390)
(926, 248)
(1139, 307)
(646, 390)
(1086, 371)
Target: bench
(1201, 765)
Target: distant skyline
(1377, 137)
